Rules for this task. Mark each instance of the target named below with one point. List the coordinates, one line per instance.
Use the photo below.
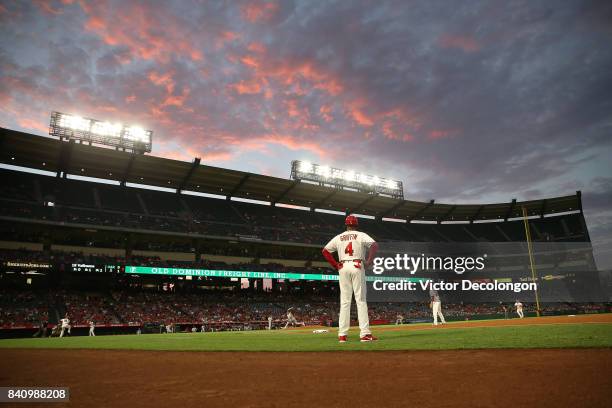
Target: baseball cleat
(368, 337)
(342, 339)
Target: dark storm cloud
(469, 101)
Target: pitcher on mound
(352, 246)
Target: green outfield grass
(407, 338)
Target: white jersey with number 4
(350, 245)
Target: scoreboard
(94, 268)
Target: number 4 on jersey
(349, 249)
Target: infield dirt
(462, 378)
(474, 378)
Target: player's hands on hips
(339, 265)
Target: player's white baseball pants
(520, 313)
(352, 280)
(437, 311)
(291, 321)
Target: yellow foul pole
(531, 261)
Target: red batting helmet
(351, 221)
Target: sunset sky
(471, 101)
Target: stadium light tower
(338, 178)
(131, 138)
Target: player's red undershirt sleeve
(372, 253)
(329, 258)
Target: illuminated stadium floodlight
(331, 176)
(133, 138)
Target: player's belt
(352, 260)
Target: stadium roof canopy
(61, 157)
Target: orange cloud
(108, 108)
(46, 7)
(248, 87)
(258, 11)
(325, 112)
(256, 47)
(391, 132)
(137, 29)
(294, 143)
(402, 116)
(250, 61)
(288, 73)
(225, 37)
(260, 142)
(465, 43)
(162, 79)
(167, 81)
(177, 100)
(230, 35)
(395, 124)
(188, 153)
(361, 118)
(28, 123)
(217, 156)
(321, 80)
(355, 111)
(292, 108)
(297, 118)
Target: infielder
(92, 327)
(436, 307)
(399, 320)
(269, 322)
(291, 319)
(351, 247)
(519, 309)
(65, 323)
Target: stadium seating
(82, 202)
(226, 310)
(23, 308)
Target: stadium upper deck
(44, 153)
(26, 198)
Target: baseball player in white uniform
(351, 247)
(292, 320)
(436, 307)
(519, 309)
(269, 322)
(92, 327)
(65, 323)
